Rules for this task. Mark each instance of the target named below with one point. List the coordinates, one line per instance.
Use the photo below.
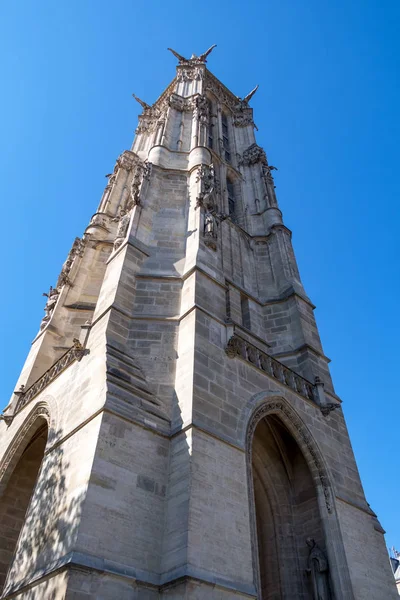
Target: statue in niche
(210, 224)
(318, 570)
(210, 229)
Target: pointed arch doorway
(16, 489)
(286, 512)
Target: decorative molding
(223, 95)
(39, 411)
(305, 437)
(152, 116)
(76, 352)
(237, 346)
(190, 73)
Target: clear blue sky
(327, 112)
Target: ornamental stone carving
(75, 353)
(201, 106)
(76, 250)
(123, 225)
(127, 160)
(238, 347)
(304, 438)
(52, 297)
(210, 230)
(243, 118)
(190, 74)
(206, 179)
(193, 60)
(253, 155)
(219, 92)
(141, 173)
(151, 116)
(329, 407)
(267, 175)
(318, 571)
(178, 103)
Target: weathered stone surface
(190, 444)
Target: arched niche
(19, 471)
(289, 497)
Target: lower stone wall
(198, 590)
(51, 588)
(366, 554)
(15, 500)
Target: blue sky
(327, 113)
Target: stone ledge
(90, 563)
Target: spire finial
(193, 60)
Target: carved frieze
(190, 74)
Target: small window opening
(244, 303)
(231, 197)
(210, 140)
(225, 138)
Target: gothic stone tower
(175, 432)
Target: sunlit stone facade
(176, 409)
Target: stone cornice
(238, 347)
(75, 353)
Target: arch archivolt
(301, 434)
(39, 414)
(272, 404)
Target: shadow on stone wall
(49, 528)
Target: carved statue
(211, 222)
(210, 225)
(318, 570)
(123, 224)
(244, 102)
(205, 176)
(140, 173)
(267, 173)
(193, 60)
(52, 298)
(143, 104)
